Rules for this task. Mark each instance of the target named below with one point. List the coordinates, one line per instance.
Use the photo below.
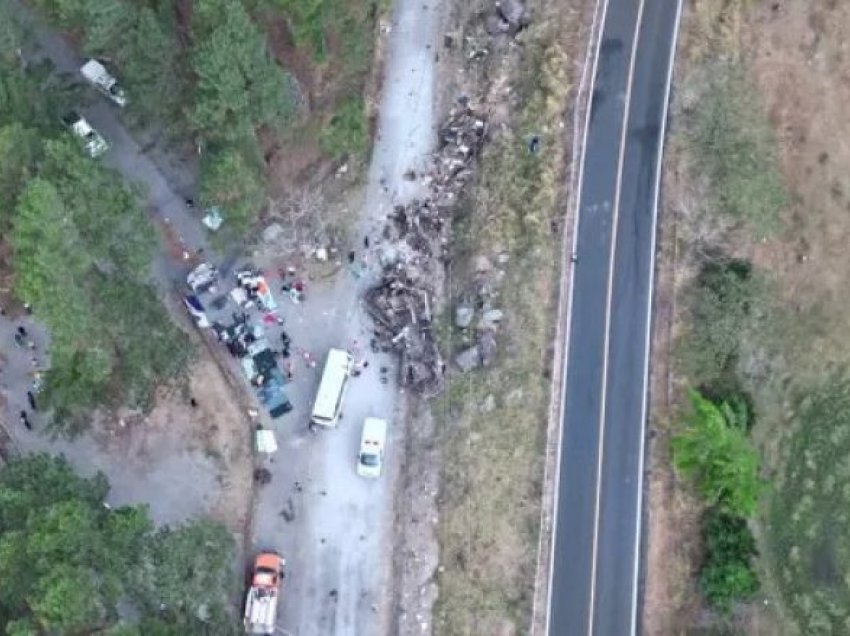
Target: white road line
(568, 321)
(647, 342)
(610, 293)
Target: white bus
(328, 404)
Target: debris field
(415, 252)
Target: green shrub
(347, 131)
(723, 315)
(727, 575)
(714, 451)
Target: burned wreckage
(416, 247)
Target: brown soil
(673, 546)
(799, 61)
(290, 57)
(217, 427)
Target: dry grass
(492, 423)
(794, 55)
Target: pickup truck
(102, 80)
(95, 145)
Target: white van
(328, 402)
(370, 460)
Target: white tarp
(266, 442)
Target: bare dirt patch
(215, 431)
(182, 461)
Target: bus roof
(334, 376)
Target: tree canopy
(82, 251)
(239, 87)
(714, 450)
(66, 559)
(228, 181)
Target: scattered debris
(414, 248)
(273, 233)
(512, 15)
(491, 317)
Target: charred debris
(416, 239)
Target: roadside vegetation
(713, 450)
(70, 564)
(492, 423)
(732, 331)
(761, 330)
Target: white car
(370, 459)
(95, 144)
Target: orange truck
(264, 593)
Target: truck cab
(263, 595)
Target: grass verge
(492, 423)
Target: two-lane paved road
(595, 580)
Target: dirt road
(334, 528)
(337, 530)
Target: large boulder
(463, 316)
(468, 359)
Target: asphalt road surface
(595, 581)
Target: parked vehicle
(370, 459)
(196, 309)
(328, 404)
(95, 145)
(202, 278)
(264, 594)
(102, 80)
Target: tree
(66, 560)
(20, 149)
(106, 213)
(186, 566)
(12, 35)
(728, 582)
(239, 87)
(306, 21)
(55, 566)
(717, 455)
(82, 253)
(149, 61)
(229, 181)
(721, 304)
(347, 131)
(107, 23)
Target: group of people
(22, 340)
